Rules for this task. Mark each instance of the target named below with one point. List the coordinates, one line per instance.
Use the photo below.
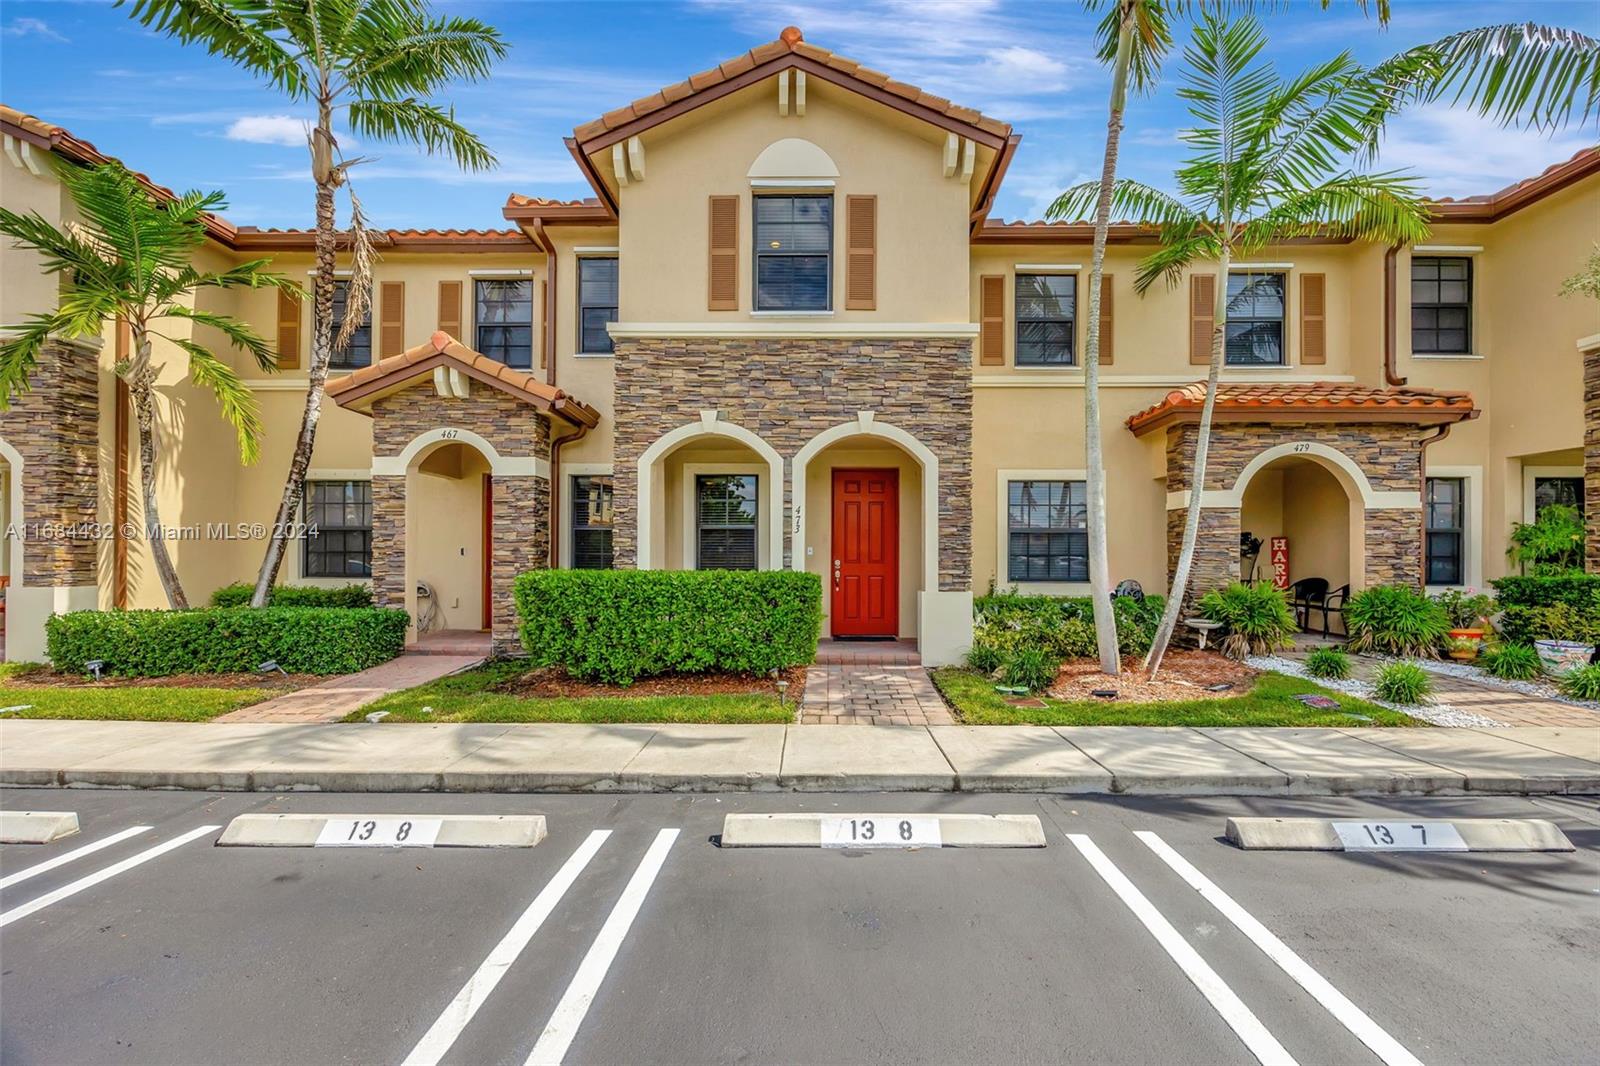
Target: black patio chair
(1332, 604)
(1306, 595)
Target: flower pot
(1561, 657)
(1463, 655)
(1467, 634)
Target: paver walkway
(332, 700)
(871, 683)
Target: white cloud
(269, 129)
(1458, 153)
(31, 27)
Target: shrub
(619, 625)
(985, 657)
(1136, 619)
(1512, 662)
(1257, 618)
(302, 640)
(1552, 545)
(1581, 591)
(1402, 683)
(1395, 620)
(1330, 664)
(239, 593)
(1465, 610)
(1032, 668)
(1558, 621)
(1582, 683)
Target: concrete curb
(455, 830)
(36, 827)
(956, 830)
(1317, 834)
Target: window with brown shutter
(450, 308)
(288, 329)
(391, 318)
(1202, 316)
(1107, 349)
(722, 285)
(1313, 319)
(861, 253)
(992, 311)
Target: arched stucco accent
(499, 465)
(13, 459)
(709, 426)
(1359, 493)
(792, 157)
(865, 425)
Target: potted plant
(1468, 611)
(1461, 648)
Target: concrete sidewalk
(645, 758)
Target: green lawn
(1269, 703)
(466, 698)
(129, 703)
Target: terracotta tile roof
(479, 240)
(518, 200)
(441, 349)
(791, 42)
(1316, 401)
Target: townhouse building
(786, 331)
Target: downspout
(555, 492)
(1390, 373)
(549, 247)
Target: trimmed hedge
(1580, 591)
(239, 593)
(1136, 619)
(302, 640)
(620, 625)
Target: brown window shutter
(288, 329)
(861, 253)
(723, 281)
(1107, 306)
(1313, 319)
(450, 308)
(391, 319)
(1202, 316)
(992, 331)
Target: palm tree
(1265, 168)
(371, 62)
(131, 261)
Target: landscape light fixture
(94, 666)
(271, 665)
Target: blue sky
(191, 120)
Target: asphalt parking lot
(616, 940)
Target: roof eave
(1150, 422)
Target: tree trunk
(1197, 473)
(321, 352)
(1105, 620)
(141, 392)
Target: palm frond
(1179, 249)
(239, 30)
(60, 251)
(1387, 208)
(413, 121)
(239, 407)
(403, 52)
(239, 334)
(1129, 199)
(19, 354)
(1152, 39)
(1518, 74)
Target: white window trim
(1447, 249)
(499, 272)
(1529, 473)
(1046, 268)
(691, 531)
(791, 314)
(1002, 553)
(568, 472)
(1472, 536)
(296, 562)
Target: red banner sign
(1279, 555)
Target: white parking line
(552, 1045)
(103, 875)
(438, 1039)
(1349, 1015)
(1239, 1017)
(75, 853)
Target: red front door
(866, 553)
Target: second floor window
(1046, 316)
(591, 523)
(1255, 319)
(1048, 527)
(1441, 305)
(341, 514)
(726, 521)
(1445, 504)
(794, 252)
(359, 351)
(504, 320)
(597, 304)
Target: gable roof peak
(791, 36)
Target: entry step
(1397, 834)
(876, 830)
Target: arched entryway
(1302, 504)
(449, 503)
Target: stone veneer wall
(1389, 453)
(521, 502)
(786, 391)
(54, 427)
(1591, 458)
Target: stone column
(389, 540)
(521, 543)
(1216, 549)
(1394, 546)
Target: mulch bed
(1184, 676)
(550, 682)
(273, 681)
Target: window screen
(1046, 310)
(794, 249)
(725, 506)
(1255, 319)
